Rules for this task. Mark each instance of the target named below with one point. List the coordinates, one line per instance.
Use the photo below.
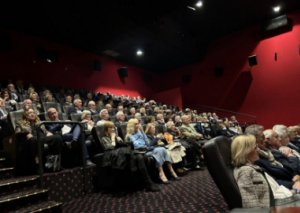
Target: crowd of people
(178, 146)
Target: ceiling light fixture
(139, 52)
(192, 8)
(276, 9)
(199, 4)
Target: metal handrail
(40, 154)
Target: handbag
(53, 163)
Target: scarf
(267, 155)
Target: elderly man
(13, 92)
(188, 130)
(72, 137)
(223, 130)
(291, 135)
(104, 117)
(120, 119)
(68, 100)
(109, 110)
(92, 108)
(77, 108)
(283, 175)
(132, 111)
(160, 119)
(178, 121)
(20, 87)
(286, 158)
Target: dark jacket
(287, 161)
(153, 140)
(94, 112)
(283, 176)
(72, 110)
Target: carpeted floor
(196, 192)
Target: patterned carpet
(196, 192)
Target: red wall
(73, 70)
(270, 90)
(170, 97)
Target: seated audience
(13, 92)
(236, 123)
(28, 148)
(110, 142)
(104, 117)
(120, 118)
(73, 137)
(68, 100)
(92, 108)
(244, 152)
(140, 141)
(49, 98)
(234, 128)
(155, 111)
(109, 110)
(221, 129)
(139, 118)
(86, 118)
(143, 111)
(286, 158)
(30, 90)
(178, 121)
(188, 130)
(89, 97)
(160, 119)
(34, 97)
(132, 111)
(10, 102)
(77, 108)
(151, 119)
(291, 135)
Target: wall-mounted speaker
(219, 71)
(123, 72)
(252, 60)
(147, 77)
(275, 23)
(97, 66)
(186, 79)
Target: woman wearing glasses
(255, 185)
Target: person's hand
(113, 135)
(29, 136)
(296, 178)
(5, 117)
(49, 134)
(200, 135)
(119, 139)
(288, 152)
(297, 185)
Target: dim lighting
(199, 4)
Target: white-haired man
(77, 108)
(104, 117)
(92, 107)
(120, 119)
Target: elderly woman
(49, 98)
(110, 142)
(34, 97)
(27, 124)
(175, 151)
(139, 118)
(30, 90)
(86, 118)
(253, 182)
(143, 111)
(140, 141)
(192, 149)
(151, 119)
(9, 101)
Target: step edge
(23, 196)
(19, 181)
(48, 207)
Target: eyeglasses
(255, 146)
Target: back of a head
(241, 146)
(280, 129)
(253, 129)
(130, 129)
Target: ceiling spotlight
(199, 4)
(192, 8)
(139, 52)
(276, 9)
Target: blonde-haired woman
(34, 97)
(252, 181)
(30, 90)
(140, 141)
(28, 148)
(86, 118)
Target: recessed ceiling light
(199, 4)
(192, 8)
(276, 9)
(139, 52)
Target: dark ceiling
(169, 34)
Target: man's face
(78, 104)
(121, 116)
(69, 99)
(92, 105)
(108, 107)
(105, 115)
(185, 120)
(120, 108)
(274, 141)
(2, 103)
(27, 104)
(53, 115)
(260, 140)
(89, 96)
(133, 111)
(11, 87)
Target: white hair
(75, 101)
(132, 108)
(280, 129)
(118, 113)
(137, 115)
(90, 102)
(84, 113)
(102, 111)
(169, 124)
(160, 115)
(268, 133)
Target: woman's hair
(156, 109)
(5, 90)
(148, 128)
(30, 90)
(142, 109)
(168, 111)
(149, 118)
(84, 113)
(24, 117)
(47, 97)
(107, 124)
(137, 115)
(169, 124)
(47, 91)
(130, 127)
(98, 103)
(240, 148)
(33, 94)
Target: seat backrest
(23, 97)
(48, 105)
(123, 128)
(76, 116)
(112, 118)
(130, 117)
(149, 112)
(213, 130)
(126, 111)
(144, 120)
(66, 108)
(97, 133)
(160, 129)
(217, 155)
(61, 116)
(13, 118)
(96, 118)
